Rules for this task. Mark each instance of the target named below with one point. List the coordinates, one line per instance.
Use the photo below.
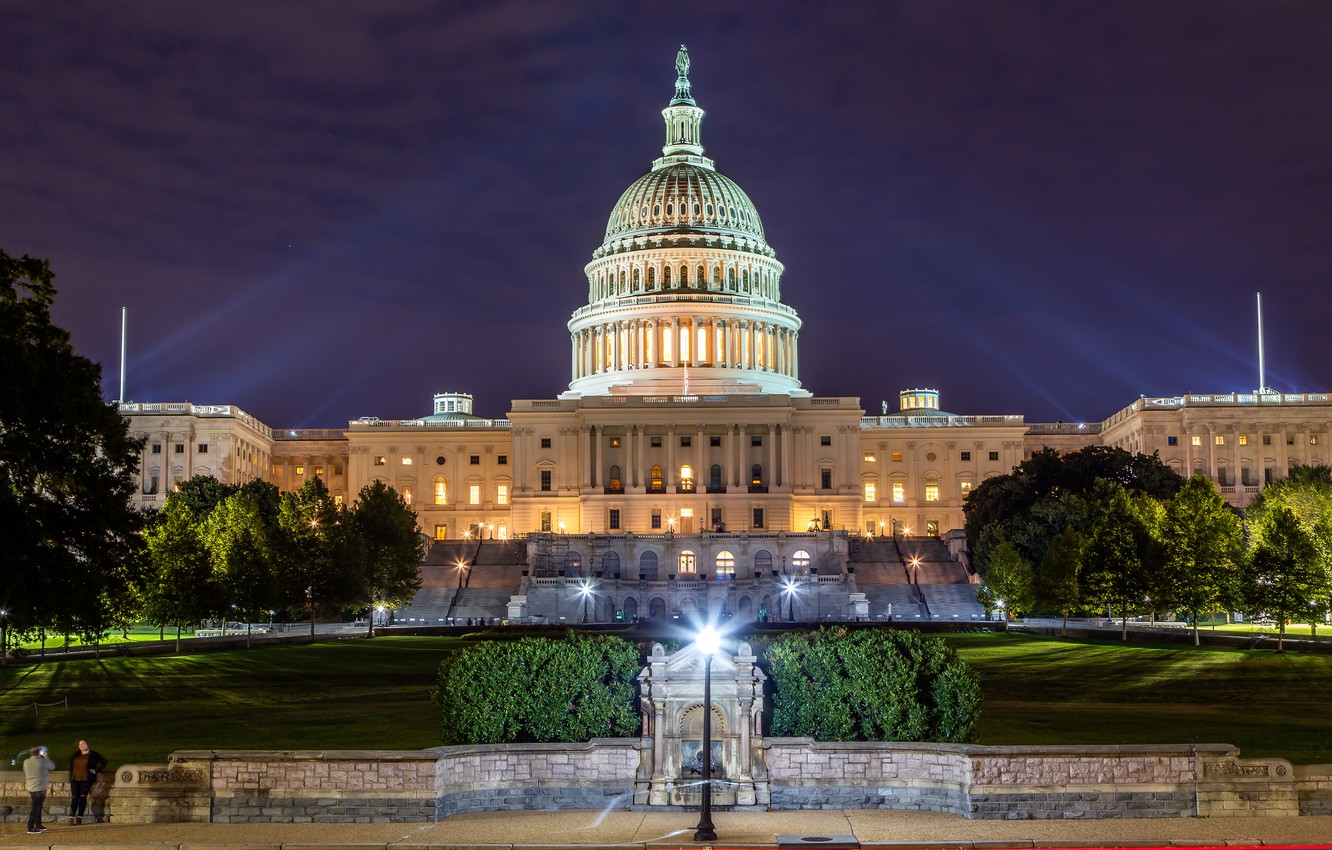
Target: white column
(587, 452)
(786, 455)
(772, 456)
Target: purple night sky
(323, 210)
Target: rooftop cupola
(683, 117)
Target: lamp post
(707, 642)
(585, 590)
(789, 589)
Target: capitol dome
(684, 293)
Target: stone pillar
(671, 472)
(772, 455)
(587, 454)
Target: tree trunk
(1123, 623)
(1196, 640)
(178, 626)
(1281, 635)
(248, 624)
(370, 617)
(1063, 632)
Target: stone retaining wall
(426, 785)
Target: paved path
(586, 829)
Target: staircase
(917, 576)
(493, 574)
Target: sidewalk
(585, 829)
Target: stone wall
(1034, 782)
(425, 785)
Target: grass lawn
(355, 694)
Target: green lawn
(373, 694)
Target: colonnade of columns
(684, 341)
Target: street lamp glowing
(586, 587)
(707, 641)
(789, 587)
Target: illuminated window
(869, 458)
(1220, 439)
(800, 559)
(687, 474)
(337, 500)
(1313, 439)
(545, 520)
(932, 487)
(474, 494)
(441, 492)
(441, 531)
(897, 457)
(654, 477)
(615, 442)
(899, 491)
(319, 471)
(1243, 439)
(613, 481)
(502, 494)
(725, 564)
(688, 562)
(406, 494)
(406, 461)
(503, 531)
(300, 470)
(1196, 440)
(756, 475)
(1290, 440)
(379, 460)
(870, 491)
(966, 489)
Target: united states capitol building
(685, 465)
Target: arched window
(716, 277)
(730, 278)
(573, 562)
(610, 564)
(406, 494)
(688, 562)
(654, 477)
(613, 480)
(441, 492)
(763, 560)
(756, 475)
(635, 280)
(684, 275)
(714, 477)
(666, 277)
(745, 279)
(725, 564)
(652, 277)
(647, 566)
(800, 559)
(699, 277)
(686, 478)
(932, 487)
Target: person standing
(84, 766)
(37, 771)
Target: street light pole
(708, 642)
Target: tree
(1058, 589)
(180, 588)
(67, 469)
(201, 494)
(1119, 553)
(1284, 573)
(388, 548)
(1201, 538)
(316, 549)
(241, 552)
(1008, 582)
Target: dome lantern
(683, 118)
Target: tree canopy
(67, 471)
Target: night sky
(325, 210)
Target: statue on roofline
(682, 61)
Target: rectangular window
(656, 518)
(897, 457)
(502, 531)
(1246, 476)
(474, 494)
(441, 493)
(758, 517)
(825, 479)
(615, 442)
(1172, 441)
(1221, 476)
(203, 448)
(1290, 439)
(756, 441)
(545, 444)
(1220, 439)
(1268, 475)
(337, 470)
(545, 520)
(337, 500)
(966, 455)
(502, 460)
(152, 484)
(686, 442)
(825, 440)
(869, 491)
(966, 489)
(406, 461)
(1244, 439)
(1195, 440)
(180, 448)
(474, 460)
(157, 448)
(502, 494)
(869, 458)
(1267, 439)
(379, 460)
(899, 491)
(931, 492)
(300, 470)
(656, 442)
(994, 455)
(319, 470)
(613, 521)
(441, 531)
(715, 442)
(545, 481)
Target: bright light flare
(708, 640)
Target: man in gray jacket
(37, 770)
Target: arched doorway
(647, 566)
